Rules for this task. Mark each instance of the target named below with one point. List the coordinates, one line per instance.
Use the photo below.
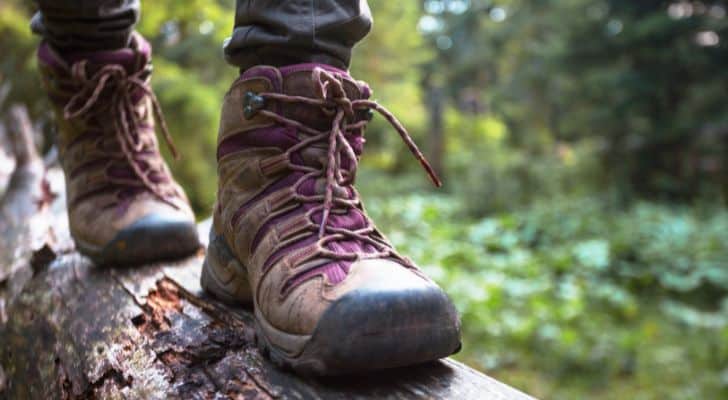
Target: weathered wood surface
(71, 330)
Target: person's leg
(123, 205)
(290, 235)
(278, 33)
(86, 25)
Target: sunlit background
(582, 230)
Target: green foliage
(19, 80)
(577, 298)
(646, 78)
(491, 175)
(190, 78)
(389, 66)
(194, 123)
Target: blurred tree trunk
(436, 135)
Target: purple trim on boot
(270, 73)
(126, 57)
(287, 181)
(334, 272)
(280, 136)
(290, 69)
(47, 56)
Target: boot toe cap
(154, 237)
(369, 329)
(392, 317)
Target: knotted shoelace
(331, 98)
(123, 102)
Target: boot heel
(222, 274)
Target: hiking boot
(123, 205)
(290, 235)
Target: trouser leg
(86, 25)
(277, 33)
(270, 32)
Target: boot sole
(345, 341)
(223, 276)
(144, 242)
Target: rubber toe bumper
(371, 329)
(151, 238)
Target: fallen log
(26, 221)
(72, 330)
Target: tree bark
(73, 330)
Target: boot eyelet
(252, 103)
(248, 112)
(369, 114)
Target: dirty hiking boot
(290, 235)
(123, 205)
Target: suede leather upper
(269, 200)
(93, 94)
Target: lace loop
(332, 99)
(124, 99)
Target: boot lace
(126, 89)
(333, 101)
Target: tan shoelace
(123, 110)
(332, 99)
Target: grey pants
(272, 32)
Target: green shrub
(577, 291)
